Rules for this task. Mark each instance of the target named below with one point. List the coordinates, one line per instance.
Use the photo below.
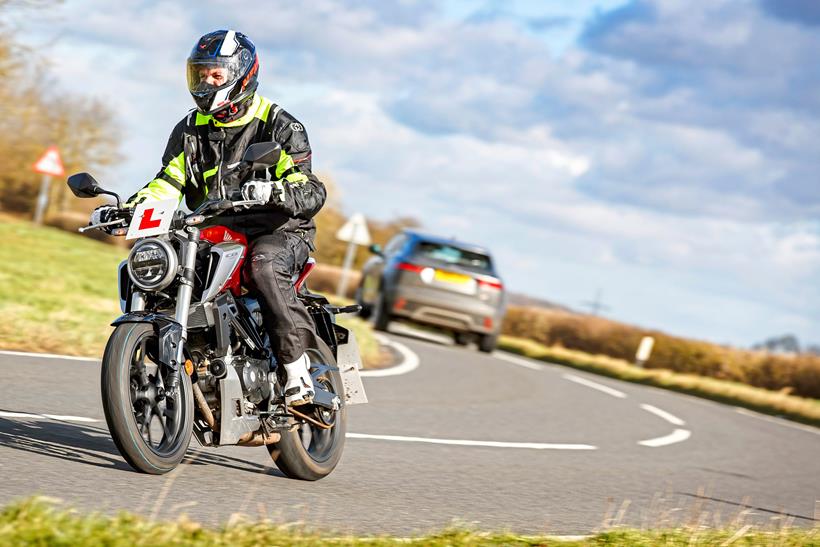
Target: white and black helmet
(222, 70)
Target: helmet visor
(210, 75)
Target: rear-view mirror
(83, 185)
(376, 249)
(262, 155)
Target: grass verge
(799, 409)
(58, 293)
(34, 522)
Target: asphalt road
(495, 442)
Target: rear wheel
(310, 452)
(150, 424)
(487, 342)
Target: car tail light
(488, 322)
(407, 267)
(490, 283)
(400, 304)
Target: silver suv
(434, 281)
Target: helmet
(222, 70)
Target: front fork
(190, 244)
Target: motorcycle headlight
(152, 264)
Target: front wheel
(150, 424)
(310, 452)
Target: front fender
(168, 331)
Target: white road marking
(779, 421)
(518, 361)
(58, 417)
(677, 436)
(595, 385)
(458, 442)
(672, 419)
(410, 361)
(49, 356)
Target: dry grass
(770, 402)
(799, 375)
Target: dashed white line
(461, 442)
(58, 417)
(48, 356)
(677, 436)
(595, 385)
(518, 361)
(672, 419)
(410, 361)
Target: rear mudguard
(168, 331)
(349, 362)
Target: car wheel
(487, 342)
(367, 309)
(381, 313)
(461, 338)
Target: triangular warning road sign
(355, 230)
(50, 163)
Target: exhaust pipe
(203, 407)
(257, 438)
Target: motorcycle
(190, 356)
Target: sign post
(49, 165)
(355, 232)
(644, 350)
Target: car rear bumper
(461, 313)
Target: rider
(229, 116)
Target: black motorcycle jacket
(201, 148)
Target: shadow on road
(93, 446)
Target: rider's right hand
(104, 213)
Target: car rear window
(450, 254)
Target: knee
(270, 254)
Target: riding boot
(299, 387)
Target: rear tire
(129, 345)
(325, 446)
(487, 342)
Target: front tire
(151, 432)
(309, 452)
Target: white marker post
(355, 232)
(49, 165)
(644, 350)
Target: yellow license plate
(450, 277)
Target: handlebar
(207, 210)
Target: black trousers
(275, 258)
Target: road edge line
(409, 362)
(49, 356)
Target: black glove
(106, 213)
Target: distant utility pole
(596, 306)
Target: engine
(253, 373)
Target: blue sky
(665, 152)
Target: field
(58, 293)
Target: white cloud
(640, 169)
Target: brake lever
(101, 225)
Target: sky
(664, 152)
